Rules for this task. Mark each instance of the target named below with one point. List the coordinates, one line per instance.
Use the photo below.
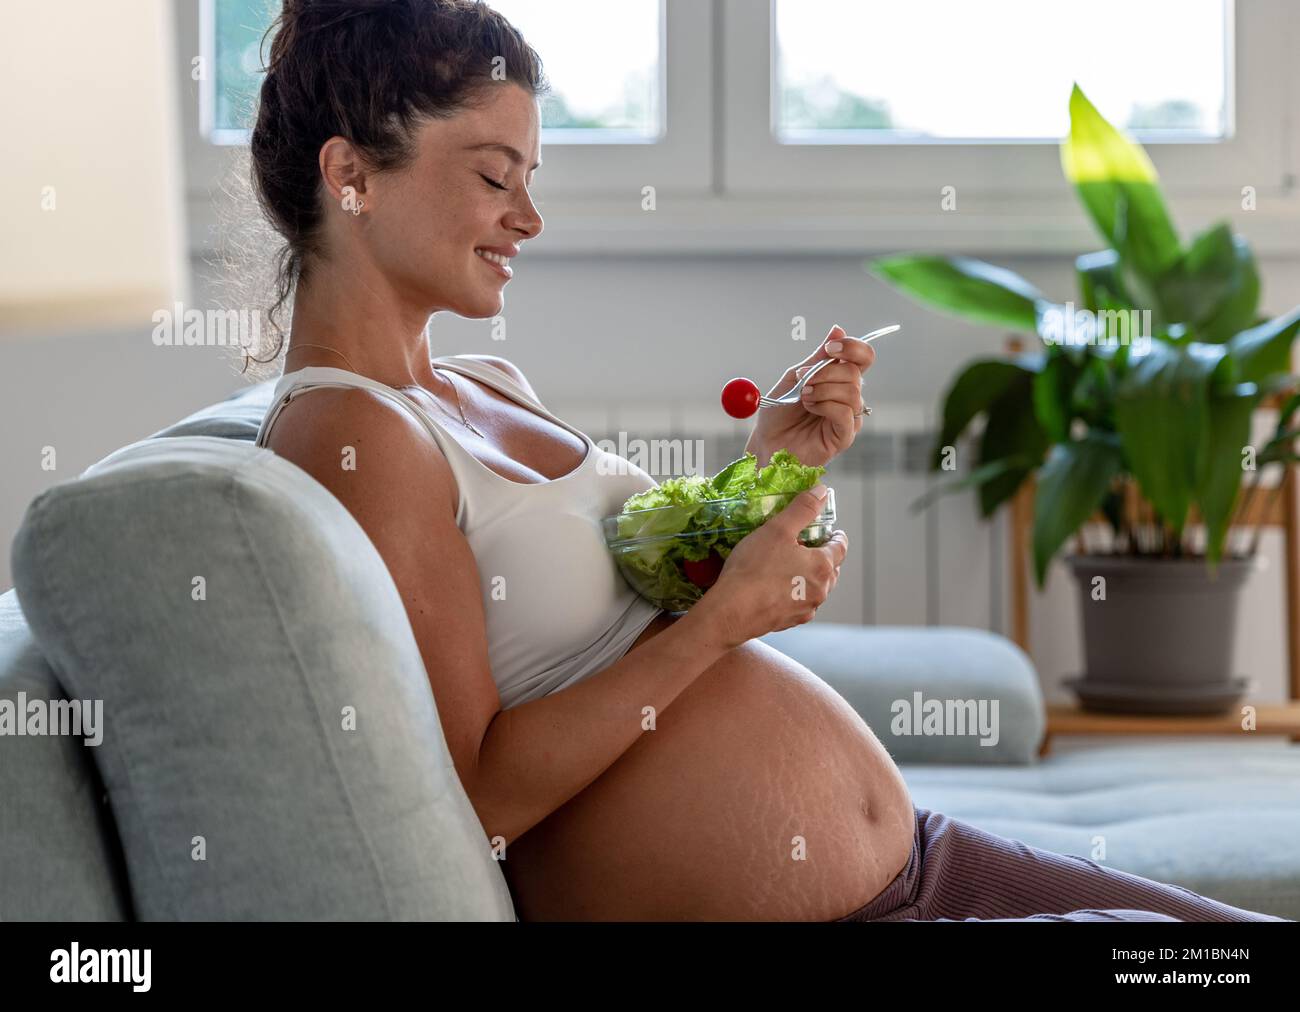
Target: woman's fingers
(837, 547)
(843, 423)
(853, 351)
(839, 372)
(820, 353)
(850, 394)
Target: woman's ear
(343, 172)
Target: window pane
(602, 59)
(238, 33)
(603, 92)
(998, 69)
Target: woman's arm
(538, 755)
(519, 765)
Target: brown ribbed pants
(957, 872)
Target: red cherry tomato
(740, 398)
(704, 573)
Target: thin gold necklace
(464, 421)
(458, 405)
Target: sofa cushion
(931, 694)
(271, 748)
(1217, 816)
(59, 855)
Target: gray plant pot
(1162, 639)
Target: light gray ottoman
(1220, 818)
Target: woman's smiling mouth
(496, 261)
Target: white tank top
(556, 607)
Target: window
(230, 90)
(605, 94)
(934, 70)
(630, 104)
(788, 126)
(600, 93)
(932, 143)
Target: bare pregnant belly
(760, 795)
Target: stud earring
(356, 208)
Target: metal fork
(792, 396)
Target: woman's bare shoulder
(336, 434)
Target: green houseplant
(1147, 385)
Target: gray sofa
(260, 742)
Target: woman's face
(464, 191)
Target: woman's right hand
(759, 590)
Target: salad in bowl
(671, 541)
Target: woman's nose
(528, 220)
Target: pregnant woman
(634, 764)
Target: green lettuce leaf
(683, 519)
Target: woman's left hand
(829, 416)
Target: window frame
(758, 164)
(577, 167)
(724, 185)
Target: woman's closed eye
(492, 182)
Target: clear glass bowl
(655, 565)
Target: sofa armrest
(271, 747)
(932, 694)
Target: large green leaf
(1264, 350)
(1214, 287)
(1162, 416)
(1011, 430)
(1229, 432)
(1071, 486)
(1094, 394)
(1281, 447)
(968, 288)
(1240, 308)
(1053, 394)
(995, 469)
(1101, 285)
(1120, 191)
(1067, 329)
(975, 389)
(1287, 412)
